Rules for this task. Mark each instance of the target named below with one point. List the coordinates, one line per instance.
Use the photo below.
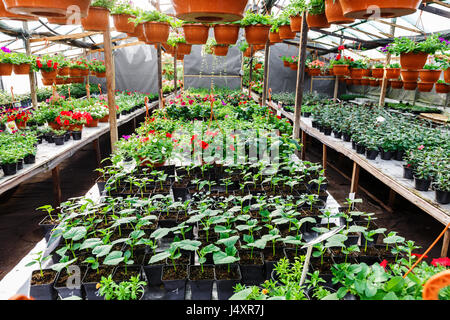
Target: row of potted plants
(16, 149)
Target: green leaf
(395, 284)
(90, 243)
(114, 258)
(102, 250)
(159, 256)
(241, 295)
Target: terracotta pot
(293, 66)
(429, 75)
(314, 72)
(447, 75)
(397, 84)
(156, 32)
(46, 8)
(6, 15)
(392, 73)
(84, 72)
(348, 81)
(257, 34)
(64, 71)
(442, 88)
(258, 47)
(23, 68)
(286, 64)
(361, 9)
(104, 119)
(226, 33)
(100, 74)
(378, 73)
(93, 123)
(77, 80)
(356, 73)
(367, 72)
(296, 23)
(286, 32)
(409, 85)
(196, 33)
(49, 74)
(330, 72)
(48, 81)
(180, 57)
(169, 49)
(21, 125)
(409, 75)
(121, 23)
(76, 127)
(59, 81)
(365, 82)
(220, 50)
(96, 20)
(184, 49)
(389, 84)
(61, 21)
(357, 82)
(274, 37)
(341, 69)
(333, 11)
(247, 53)
(425, 86)
(209, 10)
(413, 61)
(317, 20)
(342, 79)
(374, 83)
(6, 69)
(74, 72)
(139, 30)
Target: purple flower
(224, 103)
(126, 137)
(4, 49)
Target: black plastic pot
(58, 140)
(72, 290)
(346, 137)
(306, 114)
(252, 274)
(9, 169)
(225, 287)
(67, 136)
(176, 288)
(386, 155)
(353, 145)
(200, 289)
(371, 154)
(44, 291)
(314, 124)
(76, 135)
(442, 197)
(398, 155)
(422, 184)
(48, 137)
(117, 115)
(408, 172)
(90, 290)
(46, 226)
(337, 134)
(327, 131)
(360, 149)
(29, 159)
(269, 265)
(19, 164)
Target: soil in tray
(223, 274)
(37, 279)
(268, 254)
(182, 217)
(246, 259)
(169, 273)
(168, 216)
(325, 267)
(122, 275)
(93, 277)
(370, 252)
(197, 274)
(63, 276)
(165, 189)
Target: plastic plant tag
(381, 119)
(11, 127)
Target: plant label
(11, 127)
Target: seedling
(39, 259)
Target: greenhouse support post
(250, 76)
(175, 56)
(336, 80)
(158, 52)
(32, 74)
(387, 62)
(266, 72)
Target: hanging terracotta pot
(46, 8)
(139, 31)
(74, 72)
(59, 81)
(409, 85)
(168, 48)
(314, 72)
(293, 66)
(226, 33)
(247, 53)
(196, 33)
(100, 74)
(397, 84)
(447, 75)
(341, 69)
(60, 21)
(122, 24)
(257, 34)
(374, 83)
(6, 69)
(156, 32)
(389, 84)
(48, 81)
(367, 73)
(413, 61)
(425, 86)
(357, 82)
(442, 88)
(286, 32)
(429, 75)
(209, 10)
(49, 74)
(221, 51)
(180, 57)
(64, 71)
(23, 68)
(356, 73)
(184, 48)
(84, 72)
(362, 9)
(6, 15)
(349, 82)
(333, 11)
(274, 37)
(365, 82)
(392, 73)
(330, 72)
(342, 79)
(378, 73)
(258, 47)
(286, 64)
(296, 23)
(409, 75)
(78, 80)
(96, 20)
(317, 20)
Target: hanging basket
(139, 30)
(430, 75)
(180, 57)
(286, 32)
(293, 66)
(23, 68)
(333, 11)
(274, 37)
(64, 71)
(257, 34)
(221, 51)
(396, 84)
(247, 53)
(356, 73)
(341, 69)
(6, 69)
(392, 73)
(209, 10)
(196, 33)
(367, 73)
(226, 33)
(59, 81)
(156, 32)
(296, 23)
(78, 80)
(97, 19)
(314, 72)
(362, 9)
(374, 83)
(412, 85)
(378, 73)
(447, 75)
(75, 72)
(122, 24)
(317, 21)
(409, 75)
(184, 48)
(6, 15)
(425, 86)
(48, 82)
(413, 61)
(60, 21)
(365, 82)
(168, 48)
(47, 8)
(49, 74)
(442, 88)
(100, 74)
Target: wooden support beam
(66, 36)
(250, 77)
(136, 43)
(336, 89)
(98, 155)
(445, 242)
(439, 2)
(266, 72)
(158, 54)
(355, 178)
(32, 75)
(392, 196)
(399, 26)
(324, 157)
(364, 32)
(175, 76)
(56, 186)
(386, 63)
(304, 136)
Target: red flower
(341, 48)
(151, 132)
(168, 135)
(417, 255)
(384, 264)
(278, 117)
(204, 145)
(338, 57)
(421, 147)
(232, 147)
(193, 138)
(66, 122)
(445, 262)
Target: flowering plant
(97, 66)
(316, 64)
(341, 60)
(175, 38)
(97, 111)
(5, 55)
(68, 118)
(80, 63)
(122, 7)
(46, 63)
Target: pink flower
(421, 147)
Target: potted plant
(121, 13)
(228, 273)
(378, 71)
(99, 68)
(283, 23)
(7, 15)
(59, 137)
(195, 33)
(410, 85)
(393, 71)
(6, 65)
(8, 161)
(209, 10)
(98, 16)
(362, 9)
(295, 10)
(21, 63)
(397, 84)
(42, 280)
(442, 186)
(442, 87)
(227, 33)
(409, 75)
(257, 27)
(425, 86)
(423, 175)
(155, 26)
(274, 34)
(132, 289)
(333, 11)
(79, 68)
(179, 42)
(341, 65)
(430, 73)
(46, 8)
(316, 17)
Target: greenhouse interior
(224, 150)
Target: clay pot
(429, 75)
(314, 72)
(48, 81)
(333, 11)
(121, 23)
(180, 57)
(77, 80)
(357, 82)
(6, 69)
(46, 8)
(64, 71)
(247, 53)
(317, 20)
(93, 123)
(209, 10)
(413, 61)
(61, 21)
(360, 9)
(293, 66)
(409, 85)
(330, 72)
(374, 83)
(104, 119)
(84, 72)
(184, 49)
(392, 73)
(156, 32)
(257, 34)
(425, 86)
(442, 88)
(365, 82)
(378, 73)
(286, 64)
(6, 15)
(74, 72)
(59, 81)
(447, 75)
(341, 69)
(296, 23)
(100, 74)
(396, 84)
(349, 81)
(195, 33)
(226, 33)
(96, 20)
(168, 48)
(258, 47)
(220, 50)
(409, 75)
(286, 32)
(23, 68)
(49, 74)
(356, 73)
(139, 30)
(274, 37)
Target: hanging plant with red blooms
(46, 63)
